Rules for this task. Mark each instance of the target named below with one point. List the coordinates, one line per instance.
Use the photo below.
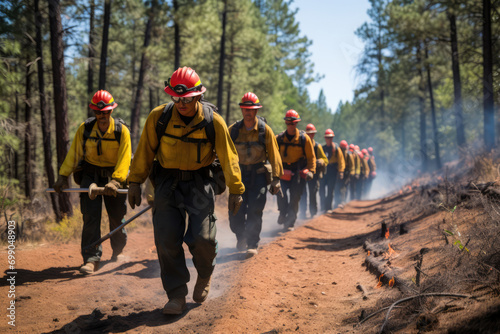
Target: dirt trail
(303, 281)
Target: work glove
(275, 187)
(373, 174)
(234, 203)
(134, 194)
(320, 162)
(61, 183)
(341, 175)
(111, 188)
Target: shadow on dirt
(151, 269)
(333, 245)
(29, 276)
(97, 322)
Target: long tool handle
(107, 236)
(83, 190)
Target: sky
(331, 24)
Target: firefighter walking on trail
(299, 164)
(313, 185)
(255, 143)
(342, 189)
(100, 153)
(177, 148)
(334, 170)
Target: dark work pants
(288, 205)
(327, 187)
(92, 211)
(353, 186)
(360, 187)
(247, 223)
(195, 199)
(341, 190)
(368, 185)
(311, 192)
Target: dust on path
(302, 281)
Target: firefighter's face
(249, 114)
(187, 109)
(328, 141)
(102, 117)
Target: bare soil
(309, 280)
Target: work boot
(241, 245)
(281, 219)
(175, 306)
(89, 268)
(251, 252)
(201, 289)
(117, 257)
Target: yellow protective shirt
(294, 153)
(349, 161)
(372, 164)
(337, 157)
(177, 154)
(112, 155)
(320, 154)
(254, 154)
(357, 163)
(365, 169)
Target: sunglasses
(185, 100)
(104, 112)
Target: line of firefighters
(190, 155)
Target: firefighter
(299, 164)
(364, 172)
(256, 143)
(373, 171)
(177, 148)
(357, 171)
(334, 170)
(341, 192)
(313, 185)
(100, 153)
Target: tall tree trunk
(104, 47)
(177, 37)
(222, 57)
(90, 73)
(457, 84)
(28, 171)
(134, 121)
(488, 100)
(151, 99)
(421, 104)
(433, 111)
(44, 113)
(60, 95)
(229, 86)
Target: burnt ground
(323, 277)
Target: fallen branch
(379, 266)
(375, 313)
(413, 297)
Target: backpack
(330, 153)
(88, 126)
(208, 125)
(302, 141)
(261, 125)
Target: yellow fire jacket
(294, 153)
(372, 164)
(357, 163)
(112, 155)
(177, 154)
(350, 165)
(365, 169)
(254, 154)
(320, 154)
(336, 157)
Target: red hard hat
(352, 146)
(310, 128)
(343, 144)
(356, 147)
(360, 155)
(370, 149)
(250, 101)
(184, 82)
(102, 100)
(364, 151)
(329, 133)
(292, 115)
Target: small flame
(387, 234)
(409, 187)
(391, 282)
(390, 252)
(401, 192)
(379, 282)
(368, 253)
